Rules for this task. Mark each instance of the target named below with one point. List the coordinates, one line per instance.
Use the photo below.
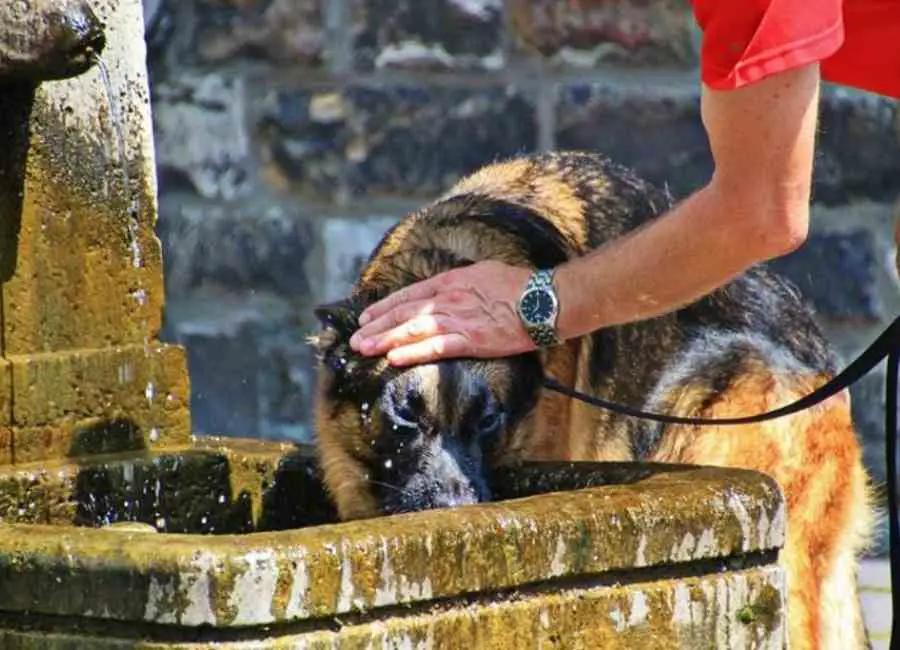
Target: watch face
(538, 306)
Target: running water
(132, 223)
(133, 200)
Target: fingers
(430, 350)
(409, 330)
(415, 292)
(393, 322)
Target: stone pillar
(81, 289)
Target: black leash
(886, 346)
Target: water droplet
(388, 463)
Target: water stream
(132, 217)
(133, 198)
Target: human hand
(465, 312)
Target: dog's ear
(340, 315)
(338, 319)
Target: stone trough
(619, 556)
(121, 530)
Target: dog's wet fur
(397, 440)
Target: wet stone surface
(93, 401)
(428, 34)
(200, 491)
(584, 33)
(407, 140)
(737, 609)
(704, 523)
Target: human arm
(755, 207)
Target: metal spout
(46, 40)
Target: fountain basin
(619, 555)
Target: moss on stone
(642, 615)
(339, 569)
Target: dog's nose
(457, 493)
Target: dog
(394, 440)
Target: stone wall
(290, 133)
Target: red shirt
(857, 42)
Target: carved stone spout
(44, 40)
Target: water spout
(46, 40)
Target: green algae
(641, 615)
(342, 568)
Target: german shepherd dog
(395, 440)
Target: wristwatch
(539, 308)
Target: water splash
(133, 199)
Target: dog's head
(406, 439)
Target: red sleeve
(747, 40)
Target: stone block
(837, 271)
(428, 34)
(86, 269)
(276, 31)
(654, 126)
(224, 370)
(673, 530)
(160, 27)
(287, 385)
(858, 148)
(588, 32)
(201, 139)
(256, 247)
(249, 362)
(655, 129)
(83, 402)
(347, 244)
(395, 140)
(735, 609)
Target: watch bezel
(551, 320)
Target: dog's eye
(405, 415)
(489, 423)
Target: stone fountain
(121, 530)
